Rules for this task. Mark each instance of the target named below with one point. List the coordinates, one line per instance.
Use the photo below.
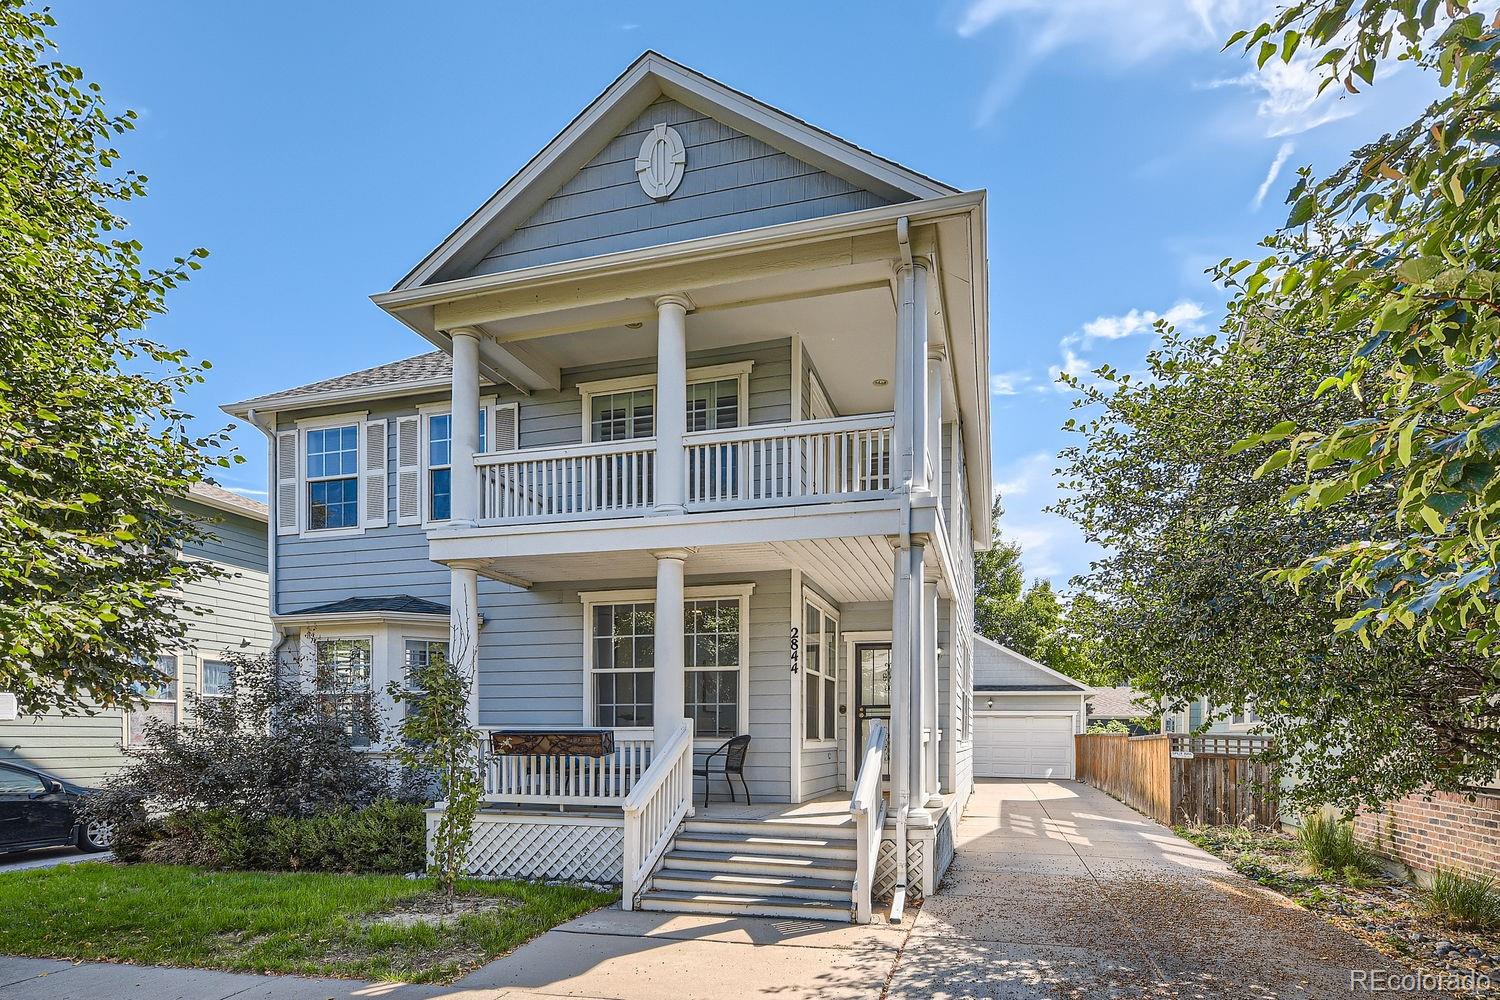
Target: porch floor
(831, 809)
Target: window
(712, 632)
(418, 654)
(819, 673)
(14, 782)
(712, 406)
(215, 679)
(333, 477)
(623, 416)
(440, 462)
(346, 663)
(624, 639)
(161, 702)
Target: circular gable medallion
(660, 163)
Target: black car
(38, 810)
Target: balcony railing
(810, 461)
(842, 458)
(567, 780)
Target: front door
(872, 694)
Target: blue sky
(319, 150)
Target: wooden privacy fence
(1204, 781)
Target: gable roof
(647, 79)
(1116, 703)
(219, 498)
(431, 370)
(1022, 672)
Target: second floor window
(623, 416)
(333, 477)
(440, 463)
(713, 406)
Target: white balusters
(559, 779)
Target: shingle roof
(997, 688)
(1116, 703)
(217, 496)
(396, 603)
(434, 366)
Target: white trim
(831, 660)
(1071, 681)
(632, 383)
(357, 418)
(633, 91)
(642, 595)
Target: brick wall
(1437, 829)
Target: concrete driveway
(1057, 891)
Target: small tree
(437, 740)
(95, 452)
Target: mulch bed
(1385, 910)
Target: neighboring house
(1025, 715)
(1125, 705)
(702, 452)
(1200, 716)
(233, 617)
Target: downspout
(902, 778)
(268, 428)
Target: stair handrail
(661, 799)
(868, 808)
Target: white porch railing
(660, 801)
(803, 461)
(590, 480)
(867, 804)
(567, 780)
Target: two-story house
(223, 615)
(702, 452)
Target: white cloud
(245, 491)
(1009, 383)
(1286, 150)
(1290, 102)
(1184, 315)
(1072, 365)
(1024, 475)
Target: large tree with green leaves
(94, 450)
(1409, 278)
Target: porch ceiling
(850, 570)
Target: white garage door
(1023, 746)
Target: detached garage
(1025, 715)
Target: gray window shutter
(287, 492)
(409, 470)
(373, 479)
(507, 427)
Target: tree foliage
(1408, 278)
(93, 447)
(1027, 619)
(1181, 605)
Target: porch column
(669, 706)
(931, 781)
(465, 425)
(910, 433)
(906, 664)
(463, 630)
(936, 355)
(671, 401)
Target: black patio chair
(733, 764)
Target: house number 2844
(796, 648)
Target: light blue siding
(731, 182)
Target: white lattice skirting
(885, 868)
(575, 849)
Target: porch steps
(748, 868)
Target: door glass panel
(873, 665)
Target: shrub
(1329, 848)
(1464, 901)
(385, 836)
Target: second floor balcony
(801, 462)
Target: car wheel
(95, 835)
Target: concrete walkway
(1057, 891)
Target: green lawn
(312, 924)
